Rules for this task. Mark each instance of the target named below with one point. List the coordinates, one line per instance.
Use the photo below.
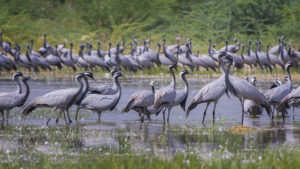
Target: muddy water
(122, 133)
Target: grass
(271, 158)
(156, 72)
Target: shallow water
(123, 133)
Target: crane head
(79, 76)
(253, 80)
(16, 75)
(82, 46)
(90, 75)
(118, 74)
(288, 65)
(184, 72)
(113, 71)
(26, 77)
(152, 83)
(172, 66)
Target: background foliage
(114, 20)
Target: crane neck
(28, 54)
(31, 46)
(173, 83)
(27, 89)
(152, 89)
(83, 92)
(115, 86)
(186, 85)
(80, 53)
(228, 84)
(165, 49)
(144, 48)
(290, 78)
(249, 48)
(71, 53)
(19, 86)
(242, 52)
(109, 51)
(209, 48)
(281, 51)
(118, 56)
(99, 51)
(45, 42)
(17, 55)
(158, 52)
(116, 79)
(256, 54)
(89, 50)
(77, 92)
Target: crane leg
(2, 113)
(169, 111)
(76, 116)
(147, 114)
(57, 119)
(99, 116)
(7, 114)
(70, 121)
(164, 118)
(65, 116)
(293, 112)
(214, 111)
(243, 110)
(204, 113)
(49, 118)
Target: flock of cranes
(141, 57)
(100, 98)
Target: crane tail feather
(127, 108)
(191, 107)
(28, 109)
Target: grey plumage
(61, 99)
(14, 99)
(211, 92)
(140, 101)
(275, 95)
(105, 89)
(251, 107)
(100, 103)
(244, 90)
(165, 96)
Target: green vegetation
(279, 158)
(111, 145)
(116, 20)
